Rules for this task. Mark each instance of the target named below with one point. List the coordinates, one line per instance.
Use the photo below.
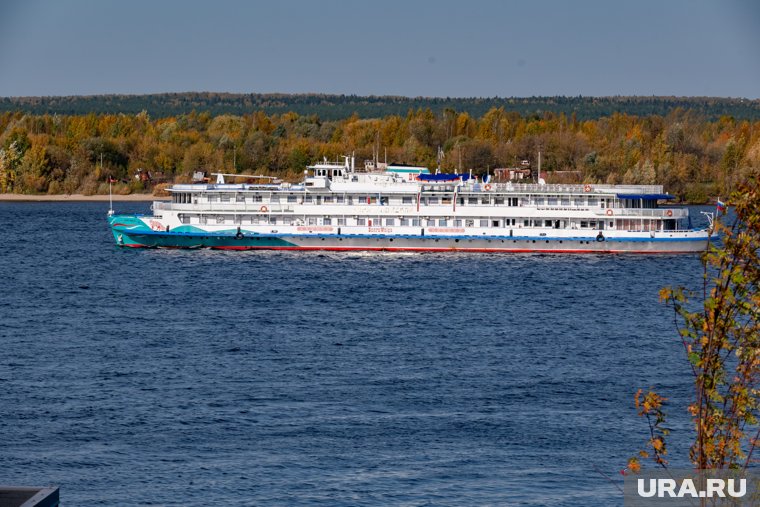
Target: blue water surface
(168, 377)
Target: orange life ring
(587, 188)
(487, 186)
(669, 212)
(263, 209)
(609, 212)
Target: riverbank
(79, 198)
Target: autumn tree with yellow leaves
(694, 158)
(722, 344)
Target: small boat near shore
(402, 208)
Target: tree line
(695, 158)
(339, 107)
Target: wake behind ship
(406, 208)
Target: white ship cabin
(336, 195)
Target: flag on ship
(721, 206)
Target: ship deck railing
(248, 207)
(558, 188)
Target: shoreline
(79, 198)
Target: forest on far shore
(339, 107)
(694, 156)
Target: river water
(135, 377)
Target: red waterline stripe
(478, 250)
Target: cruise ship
(337, 207)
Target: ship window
(184, 218)
(406, 200)
(203, 219)
(237, 220)
(469, 223)
(495, 223)
(341, 221)
(431, 223)
(362, 199)
(548, 223)
(240, 198)
(339, 199)
(371, 200)
(225, 197)
(499, 201)
(360, 221)
(390, 221)
(539, 201)
(416, 222)
(292, 198)
(584, 224)
(565, 201)
(592, 201)
(484, 223)
(213, 198)
(327, 199)
(442, 222)
(457, 223)
(273, 220)
(551, 201)
(274, 198)
(220, 219)
(327, 221)
(446, 200)
(485, 200)
(255, 220)
(432, 200)
(404, 222)
(472, 200)
(526, 223)
(592, 225)
(287, 221)
(257, 198)
(312, 221)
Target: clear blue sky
(397, 47)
